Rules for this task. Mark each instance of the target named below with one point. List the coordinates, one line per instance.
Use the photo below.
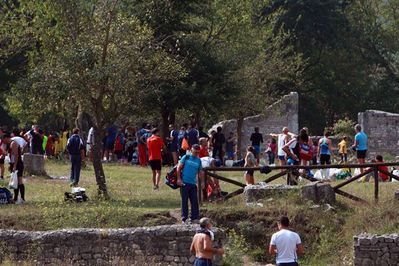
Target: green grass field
(327, 235)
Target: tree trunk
(240, 121)
(97, 164)
(165, 122)
(172, 118)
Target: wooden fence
(290, 170)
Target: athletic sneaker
(20, 201)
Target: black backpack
(5, 196)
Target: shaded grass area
(327, 235)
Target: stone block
(34, 164)
(254, 193)
(308, 192)
(318, 193)
(325, 193)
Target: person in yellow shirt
(343, 150)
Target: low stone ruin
(318, 193)
(159, 245)
(373, 250)
(253, 193)
(283, 113)
(382, 129)
(34, 164)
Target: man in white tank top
(282, 139)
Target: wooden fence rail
(372, 168)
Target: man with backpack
(187, 173)
(76, 151)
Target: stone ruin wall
(159, 245)
(382, 129)
(283, 113)
(373, 250)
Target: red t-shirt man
(155, 145)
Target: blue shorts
(281, 158)
(292, 162)
(202, 262)
(230, 154)
(257, 149)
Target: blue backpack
(5, 196)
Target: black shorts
(361, 154)
(155, 164)
(109, 146)
(2, 160)
(325, 159)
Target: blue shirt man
(360, 145)
(187, 172)
(76, 154)
(361, 139)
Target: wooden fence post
(376, 183)
(199, 190)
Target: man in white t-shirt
(285, 244)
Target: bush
(344, 127)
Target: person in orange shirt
(203, 147)
(155, 145)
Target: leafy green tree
(92, 56)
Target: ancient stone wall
(159, 245)
(373, 250)
(283, 113)
(382, 129)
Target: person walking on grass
(76, 152)
(285, 244)
(201, 245)
(187, 174)
(155, 145)
(16, 164)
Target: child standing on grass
(250, 161)
(343, 150)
